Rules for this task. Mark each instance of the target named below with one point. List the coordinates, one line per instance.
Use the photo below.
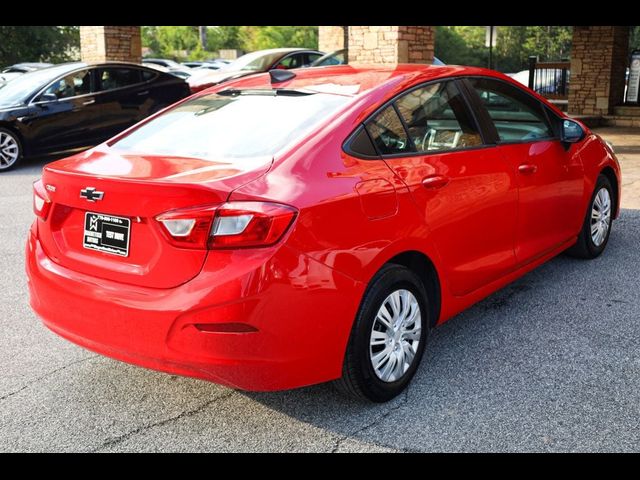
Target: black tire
(4, 162)
(585, 247)
(359, 379)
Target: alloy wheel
(9, 150)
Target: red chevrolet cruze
(294, 228)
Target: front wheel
(388, 337)
(596, 228)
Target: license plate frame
(107, 233)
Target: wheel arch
(420, 264)
(611, 176)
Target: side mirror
(48, 97)
(572, 131)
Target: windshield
(215, 127)
(18, 90)
(255, 62)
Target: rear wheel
(10, 149)
(596, 228)
(388, 337)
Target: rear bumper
(299, 313)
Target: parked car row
(49, 108)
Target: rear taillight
(250, 224)
(41, 201)
(231, 225)
(188, 227)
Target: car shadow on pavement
(538, 365)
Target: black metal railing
(549, 79)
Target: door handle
(527, 169)
(89, 102)
(146, 92)
(434, 181)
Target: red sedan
(294, 228)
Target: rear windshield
(216, 126)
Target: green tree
(466, 45)
(223, 37)
(261, 37)
(39, 44)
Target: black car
(78, 105)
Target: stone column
(331, 38)
(116, 43)
(599, 56)
(391, 45)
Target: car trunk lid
(135, 189)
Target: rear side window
(437, 118)
(388, 133)
(517, 116)
(147, 75)
(111, 78)
(220, 126)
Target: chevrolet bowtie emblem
(91, 194)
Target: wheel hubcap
(395, 335)
(600, 216)
(9, 150)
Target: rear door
(123, 97)
(550, 179)
(464, 189)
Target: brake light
(250, 224)
(231, 225)
(41, 201)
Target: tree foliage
(181, 42)
(38, 44)
(514, 45)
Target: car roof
(353, 80)
(285, 50)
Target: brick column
(391, 45)
(331, 39)
(598, 61)
(117, 43)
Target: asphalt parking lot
(550, 363)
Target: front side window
(74, 84)
(517, 116)
(111, 78)
(437, 118)
(292, 61)
(216, 127)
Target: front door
(63, 123)
(550, 179)
(465, 190)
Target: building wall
(598, 62)
(115, 43)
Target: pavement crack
(48, 374)
(374, 423)
(184, 414)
